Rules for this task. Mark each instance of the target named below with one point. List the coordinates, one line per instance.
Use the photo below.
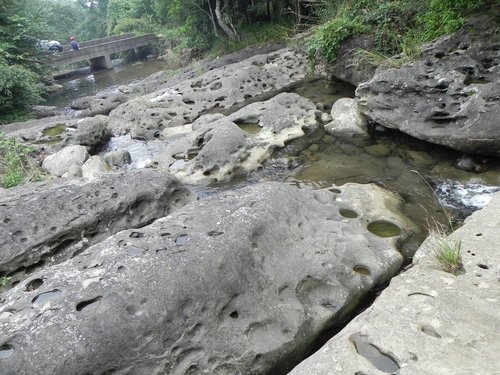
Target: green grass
(397, 26)
(448, 254)
(18, 163)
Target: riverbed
(434, 191)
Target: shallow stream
(433, 189)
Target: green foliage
(448, 254)
(19, 88)
(18, 163)
(328, 37)
(4, 280)
(444, 17)
(398, 26)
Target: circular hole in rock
(133, 310)
(483, 266)
(34, 285)
(384, 228)
(362, 270)
(6, 351)
(350, 214)
(234, 315)
(336, 191)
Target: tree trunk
(212, 18)
(227, 30)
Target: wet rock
(378, 150)
(215, 148)
(60, 218)
(451, 98)
(239, 283)
(346, 120)
(146, 116)
(427, 321)
(118, 158)
(466, 163)
(59, 163)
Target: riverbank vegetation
(208, 27)
(18, 163)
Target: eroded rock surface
(449, 97)
(61, 218)
(146, 116)
(216, 147)
(240, 283)
(428, 321)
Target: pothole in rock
(43, 298)
(6, 351)
(362, 270)
(347, 213)
(384, 228)
(34, 285)
(252, 128)
(382, 361)
(88, 304)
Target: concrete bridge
(98, 51)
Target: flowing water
(433, 190)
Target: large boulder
(62, 218)
(346, 120)
(449, 97)
(60, 162)
(220, 89)
(215, 147)
(428, 321)
(240, 283)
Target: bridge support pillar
(100, 63)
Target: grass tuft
(447, 253)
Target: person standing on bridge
(74, 44)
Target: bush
(18, 163)
(328, 37)
(19, 88)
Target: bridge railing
(94, 42)
(102, 49)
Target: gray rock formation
(240, 283)
(54, 133)
(215, 148)
(346, 120)
(428, 321)
(118, 158)
(59, 163)
(61, 218)
(146, 116)
(450, 97)
(101, 104)
(41, 111)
